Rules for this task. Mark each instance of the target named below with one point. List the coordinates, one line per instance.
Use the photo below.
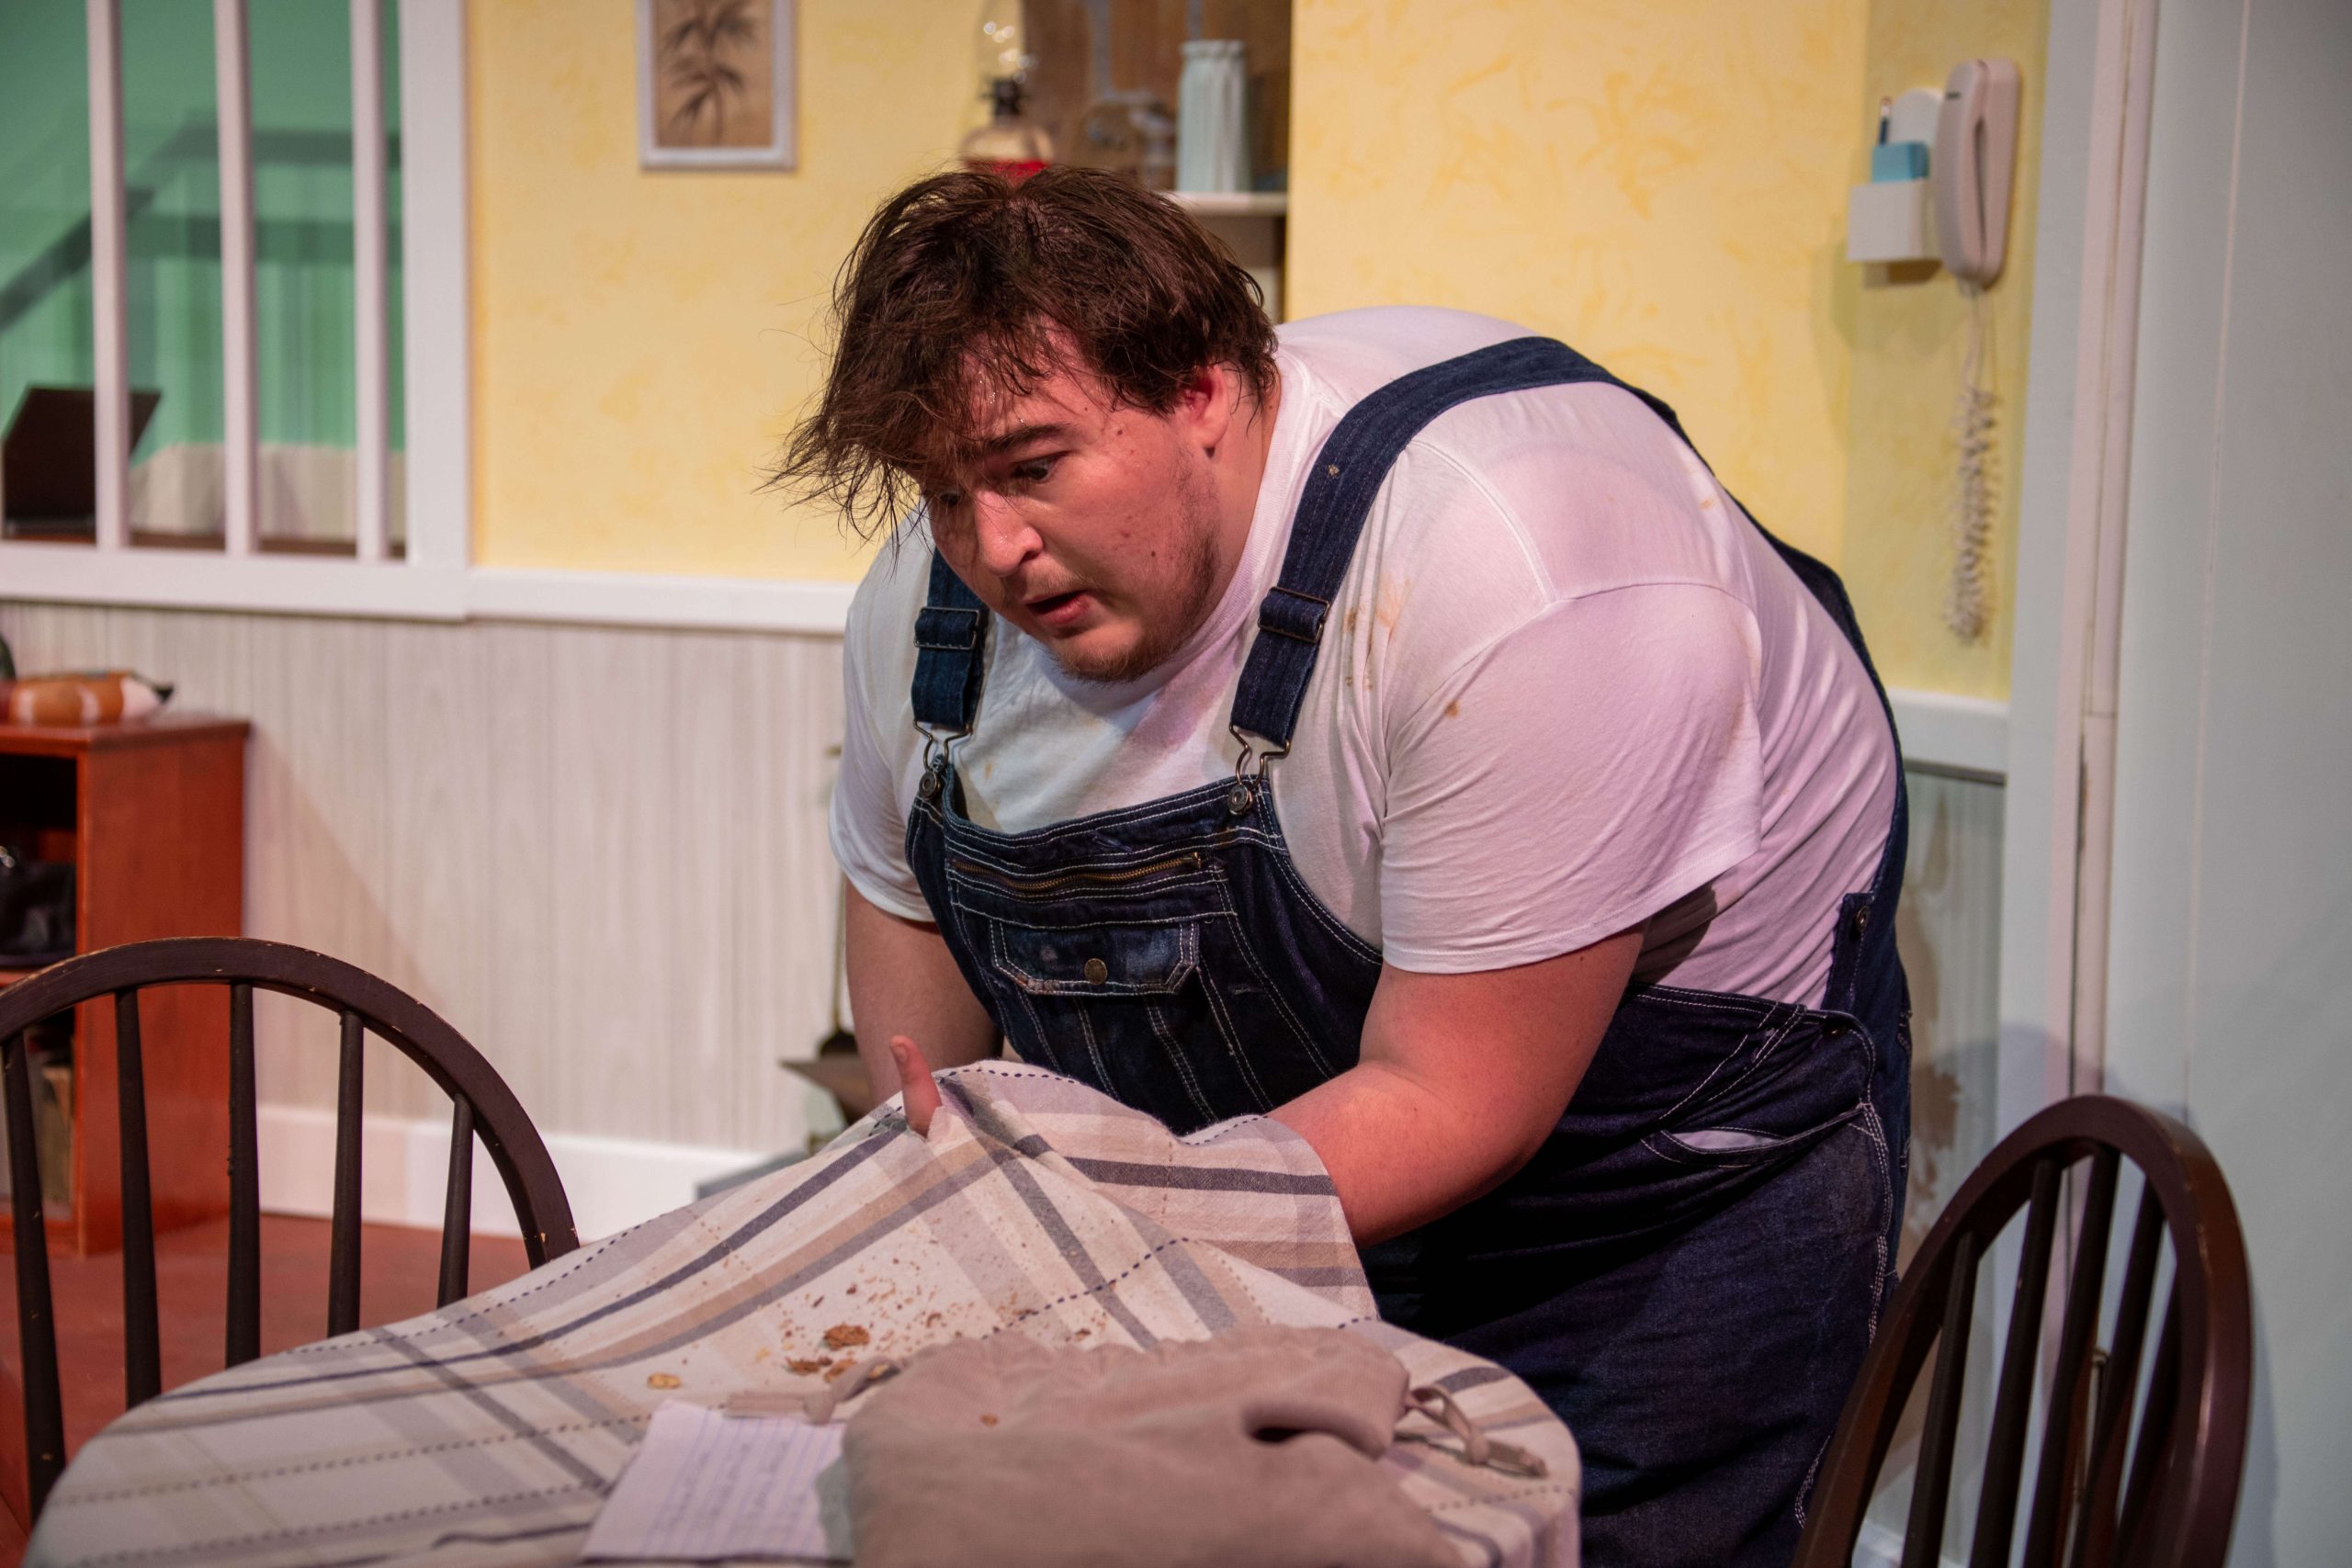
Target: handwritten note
(704, 1487)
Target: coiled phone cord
(1968, 603)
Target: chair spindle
(1996, 1510)
(142, 1354)
(2144, 1490)
(1922, 1537)
(2111, 1426)
(367, 1007)
(36, 1323)
(2173, 1418)
(2060, 1433)
(457, 1206)
(245, 1184)
(343, 1259)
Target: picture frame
(714, 84)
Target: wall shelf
(1233, 204)
(1254, 225)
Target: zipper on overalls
(1190, 861)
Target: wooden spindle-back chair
(484, 1108)
(2104, 1492)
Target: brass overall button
(1097, 971)
(1236, 800)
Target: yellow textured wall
(1663, 184)
(1659, 183)
(641, 340)
(1910, 336)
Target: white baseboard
(613, 1183)
(1877, 1548)
(1880, 1546)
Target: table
(488, 1432)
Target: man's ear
(1206, 405)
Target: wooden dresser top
(160, 730)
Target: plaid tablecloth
(488, 1432)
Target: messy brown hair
(969, 288)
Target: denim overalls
(1688, 1270)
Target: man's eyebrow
(994, 446)
(1021, 435)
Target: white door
(2230, 964)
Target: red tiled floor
(399, 1272)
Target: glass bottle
(1010, 144)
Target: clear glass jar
(1212, 129)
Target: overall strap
(951, 634)
(951, 631)
(1339, 492)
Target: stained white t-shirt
(1566, 687)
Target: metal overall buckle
(936, 738)
(1246, 784)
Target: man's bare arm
(903, 981)
(1460, 1080)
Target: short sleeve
(1586, 770)
(868, 820)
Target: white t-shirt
(1566, 687)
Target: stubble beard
(1188, 605)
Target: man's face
(1097, 529)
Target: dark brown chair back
(485, 1107)
(2106, 1490)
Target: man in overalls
(1392, 728)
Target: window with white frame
(264, 220)
(233, 296)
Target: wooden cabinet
(152, 815)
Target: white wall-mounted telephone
(1974, 163)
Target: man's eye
(946, 501)
(1034, 470)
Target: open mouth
(1055, 609)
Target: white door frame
(2072, 506)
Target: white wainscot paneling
(599, 852)
(1948, 929)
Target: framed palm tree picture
(714, 84)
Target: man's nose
(1003, 539)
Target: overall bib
(1688, 1270)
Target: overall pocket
(1802, 1077)
(1126, 1008)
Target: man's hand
(916, 1082)
(1460, 1080)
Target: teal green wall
(300, 74)
(44, 193)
